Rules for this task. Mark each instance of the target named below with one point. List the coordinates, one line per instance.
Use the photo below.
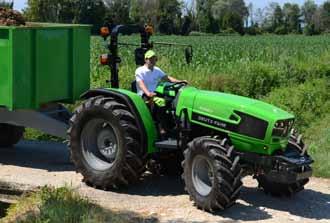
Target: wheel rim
(99, 144)
(202, 175)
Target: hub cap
(99, 144)
(202, 175)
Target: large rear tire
(105, 144)
(10, 134)
(212, 173)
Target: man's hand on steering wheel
(176, 85)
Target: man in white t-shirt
(148, 76)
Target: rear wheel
(105, 144)
(10, 134)
(212, 173)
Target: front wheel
(212, 173)
(280, 189)
(295, 146)
(10, 134)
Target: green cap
(149, 54)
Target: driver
(148, 76)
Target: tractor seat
(133, 87)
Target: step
(169, 144)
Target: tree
(278, 17)
(292, 16)
(118, 10)
(308, 11)
(311, 18)
(205, 20)
(7, 4)
(251, 14)
(90, 12)
(145, 11)
(170, 16)
(66, 11)
(231, 14)
(325, 16)
(269, 17)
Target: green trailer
(42, 63)
(41, 66)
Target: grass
(55, 205)
(318, 139)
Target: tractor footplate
(170, 144)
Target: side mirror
(188, 54)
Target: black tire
(282, 189)
(221, 187)
(10, 134)
(105, 144)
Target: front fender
(138, 108)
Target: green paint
(221, 106)
(43, 63)
(145, 115)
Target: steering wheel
(175, 86)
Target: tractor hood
(223, 105)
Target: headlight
(282, 127)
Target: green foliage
(7, 4)
(281, 30)
(66, 11)
(118, 11)
(318, 139)
(64, 205)
(309, 101)
(170, 16)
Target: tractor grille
(251, 126)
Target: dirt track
(162, 199)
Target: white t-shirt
(149, 77)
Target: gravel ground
(160, 199)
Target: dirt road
(162, 199)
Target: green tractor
(220, 137)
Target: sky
(20, 4)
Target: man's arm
(144, 89)
(173, 80)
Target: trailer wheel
(212, 173)
(10, 134)
(105, 144)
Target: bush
(196, 33)
(311, 30)
(253, 31)
(309, 101)
(281, 30)
(318, 138)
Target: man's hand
(150, 94)
(173, 80)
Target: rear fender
(137, 107)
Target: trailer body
(42, 63)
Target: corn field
(250, 66)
